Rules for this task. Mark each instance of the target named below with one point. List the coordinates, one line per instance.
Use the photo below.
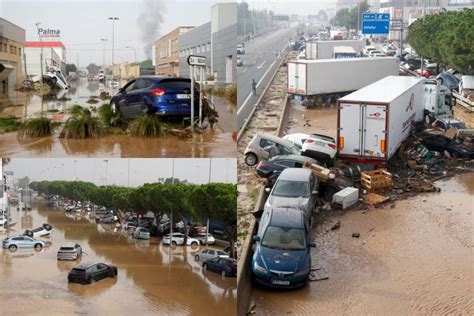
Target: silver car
(295, 188)
(264, 146)
(71, 251)
(207, 254)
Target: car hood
(278, 201)
(283, 260)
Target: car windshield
(284, 238)
(286, 188)
(66, 248)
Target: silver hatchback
(71, 251)
(264, 146)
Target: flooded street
(151, 279)
(212, 143)
(412, 259)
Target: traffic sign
(194, 60)
(375, 23)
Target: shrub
(147, 126)
(82, 126)
(36, 127)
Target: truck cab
(438, 99)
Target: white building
(54, 54)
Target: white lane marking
(258, 83)
(258, 67)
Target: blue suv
(162, 96)
(282, 258)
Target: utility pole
(41, 54)
(113, 18)
(103, 51)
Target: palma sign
(48, 33)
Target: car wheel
(251, 159)
(196, 257)
(13, 248)
(38, 247)
(194, 244)
(174, 243)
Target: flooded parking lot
(151, 279)
(412, 257)
(211, 143)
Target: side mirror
(311, 244)
(256, 238)
(267, 190)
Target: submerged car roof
(286, 217)
(295, 174)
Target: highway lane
(259, 62)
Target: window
(265, 142)
(287, 163)
(5, 48)
(1, 47)
(19, 51)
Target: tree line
(446, 38)
(216, 201)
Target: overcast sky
(301, 7)
(83, 23)
(141, 170)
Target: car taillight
(308, 141)
(333, 146)
(157, 92)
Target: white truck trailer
(334, 76)
(325, 49)
(373, 121)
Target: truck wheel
(251, 159)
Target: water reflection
(148, 281)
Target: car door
(134, 105)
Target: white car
(207, 254)
(320, 147)
(178, 240)
(446, 123)
(368, 49)
(114, 83)
(372, 53)
(202, 239)
(43, 231)
(297, 138)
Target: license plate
(183, 96)
(280, 282)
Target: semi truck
(325, 49)
(309, 78)
(373, 121)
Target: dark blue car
(162, 96)
(282, 258)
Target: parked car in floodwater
(89, 273)
(224, 266)
(156, 95)
(14, 242)
(141, 233)
(282, 258)
(202, 238)
(178, 240)
(70, 251)
(43, 231)
(207, 254)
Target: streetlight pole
(103, 51)
(41, 54)
(113, 18)
(134, 50)
(75, 167)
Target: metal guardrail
(468, 104)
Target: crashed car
(456, 147)
(272, 168)
(259, 148)
(320, 147)
(42, 231)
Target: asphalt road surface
(259, 62)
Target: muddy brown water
(413, 259)
(212, 143)
(152, 279)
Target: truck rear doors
(361, 131)
(297, 78)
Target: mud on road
(152, 279)
(413, 257)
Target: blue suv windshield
(285, 188)
(284, 238)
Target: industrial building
(167, 52)
(54, 54)
(12, 41)
(216, 40)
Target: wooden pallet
(375, 180)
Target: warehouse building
(216, 40)
(167, 52)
